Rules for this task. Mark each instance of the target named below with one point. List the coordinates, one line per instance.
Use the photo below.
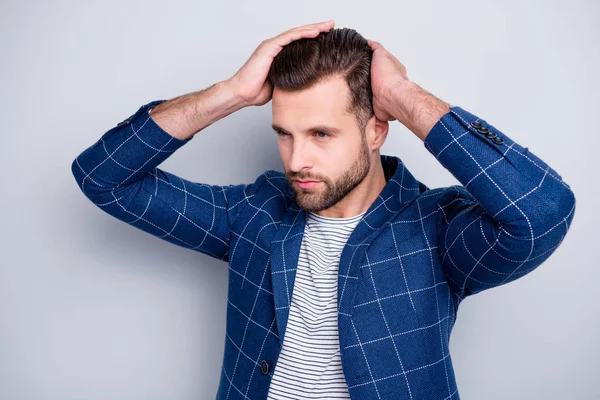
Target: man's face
(320, 141)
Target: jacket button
(490, 135)
(125, 121)
(476, 124)
(483, 130)
(264, 367)
(498, 140)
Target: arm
(119, 173)
(184, 116)
(511, 212)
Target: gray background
(91, 308)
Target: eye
(322, 135)
(281, 133)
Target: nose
(300, 158)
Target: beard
(313, 200)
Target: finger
(286, 39)
(374, 45)
(274, 45)
(271, 47)
(319, 25)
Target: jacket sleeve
(119, 174)
(509, 215)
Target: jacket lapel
(285, 249)
(401, 189)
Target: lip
(307, 184)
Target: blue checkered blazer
(412, 259)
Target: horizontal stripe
(309, 365)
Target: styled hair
(344, 52)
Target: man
(345, 272)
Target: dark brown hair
(344, 52)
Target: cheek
(341, 159)
(344, 153)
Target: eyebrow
(316, 128)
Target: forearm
(186, 115)
(496, 170)
(511, 211)
(416, 108)
(515, 187)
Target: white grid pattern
(509, 215)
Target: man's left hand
(387, 73)
(397, 98)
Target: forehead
(325, 100)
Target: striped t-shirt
(309, 364)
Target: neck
(362, 196)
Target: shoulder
(270, 181)
(271, 186)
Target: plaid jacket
(413, 257)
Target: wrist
(401, 98)
(230, 95)
(416, 108)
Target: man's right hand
(250, 83)
(183, 116)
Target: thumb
(374, 45)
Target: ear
(376, 131)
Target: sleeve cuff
(149, 132)
(455, 124)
